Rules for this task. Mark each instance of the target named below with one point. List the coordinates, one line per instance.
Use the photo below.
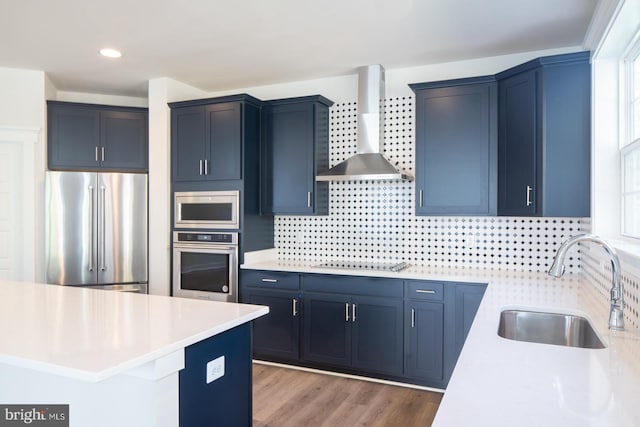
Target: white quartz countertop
(92, 334)
(500, 382)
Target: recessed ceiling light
(110, 53)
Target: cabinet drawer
(353, 285)
(424, 290)
(269, 279)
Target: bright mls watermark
(34, 415)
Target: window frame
(629, 136)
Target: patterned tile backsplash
(597, 268)
(375, 221)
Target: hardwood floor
(291, 398)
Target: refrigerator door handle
(102, 229)
(91, 227)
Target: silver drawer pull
(270, 280)
(413, 317)
(424, 291)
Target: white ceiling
(220, 45)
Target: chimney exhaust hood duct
(368, 163)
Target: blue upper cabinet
(456, 147)
(518, 145)
(223, 141)
(544, 137)
(187, 143)
(123, 135)
(97, 137)
(295, 149)
(207, 138)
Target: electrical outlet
(471, 241)
(215, 369)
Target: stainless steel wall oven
(205, 265)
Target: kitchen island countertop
(118, 358)
(92, 335)
(501, 382)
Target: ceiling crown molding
(603, 17)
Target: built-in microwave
(207, 210)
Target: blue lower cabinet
(376, 334)
(358, 332)
(424, 340)
(227, 400)
(467, 301)
(401, 330)
(277, 334)
(327, 329)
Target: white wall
(345, 88)
(97, 98)
(162, 91)
(22, 119)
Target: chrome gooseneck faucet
(616, 317)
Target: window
(630, 151)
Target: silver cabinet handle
(103, 154)
(308, 199)
(529, 189)
(420, 198)
(102, 226)
(201, 168)
(353, 312)
(295, 307)
(270, 280)
(346, 311)
(91, 209)
(413, 317)
(425, 291)
(96, 153)
(206, 167)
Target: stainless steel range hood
(368, 163)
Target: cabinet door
(377, 334)
(566, 92)
(327, 329)
(123, 137)
(466, 301)
(224, 141)
(517, 144)
(289, 157)
(73, 138)
(278, 333)
(187, 143)
(456, 149)
(424, 341)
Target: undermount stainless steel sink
(548, 328)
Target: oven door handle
(203, 247)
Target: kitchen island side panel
(226, 400)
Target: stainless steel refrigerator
(96, 230)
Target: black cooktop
(364, 265)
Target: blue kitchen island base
(215, 384)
